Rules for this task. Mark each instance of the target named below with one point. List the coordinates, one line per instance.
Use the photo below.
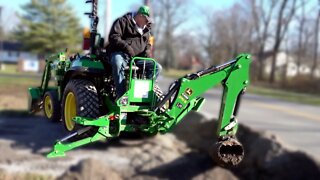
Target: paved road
(297, 125)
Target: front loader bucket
(35, 100)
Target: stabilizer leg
(60, 147)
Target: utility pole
(107, 15)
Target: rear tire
(51, 106)
(80, 98)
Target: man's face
(141, 20)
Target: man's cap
(145, 10)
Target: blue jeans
(119, 61)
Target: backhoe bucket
(228, 152)
(35, 100)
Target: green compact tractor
(84, 99)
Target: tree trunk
(299, 54)
(315, 56)
(282, 27)
(285, 68)
(261, 64)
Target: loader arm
(37, 93)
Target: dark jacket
(124, 37)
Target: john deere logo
(189, 91)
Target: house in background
(286, 60)
(190, 61)
(12, 53)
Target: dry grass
(24, 176)
(14, 92)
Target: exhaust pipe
(228, 152)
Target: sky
(119, 7)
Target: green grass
(4, 72)
(285, 95)
(23, 81)
(13, 69)
(9, 68)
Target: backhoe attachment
(183, 96)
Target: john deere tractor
(84, 99)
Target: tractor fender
(81, 73)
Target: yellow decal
(189, 91)
(182, 99)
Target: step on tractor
(83, 98)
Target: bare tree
(1, 28)
(283, 20)
(188, 49)
(209, 41)
(287, 41)
(302, 40)
(169, 15)
(227, 34)
(315, 56)
(1, 34)
(262, 13)
(240, 30)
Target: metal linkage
(211, 69)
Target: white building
(10, 52)
(292, 67)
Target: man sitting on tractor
(129, 36)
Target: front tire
(80, 98)
(51, 106)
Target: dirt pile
(266, 157)
(18, 176)
(182, 154)
(90, 169)
(185, 156)
(188, 167)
